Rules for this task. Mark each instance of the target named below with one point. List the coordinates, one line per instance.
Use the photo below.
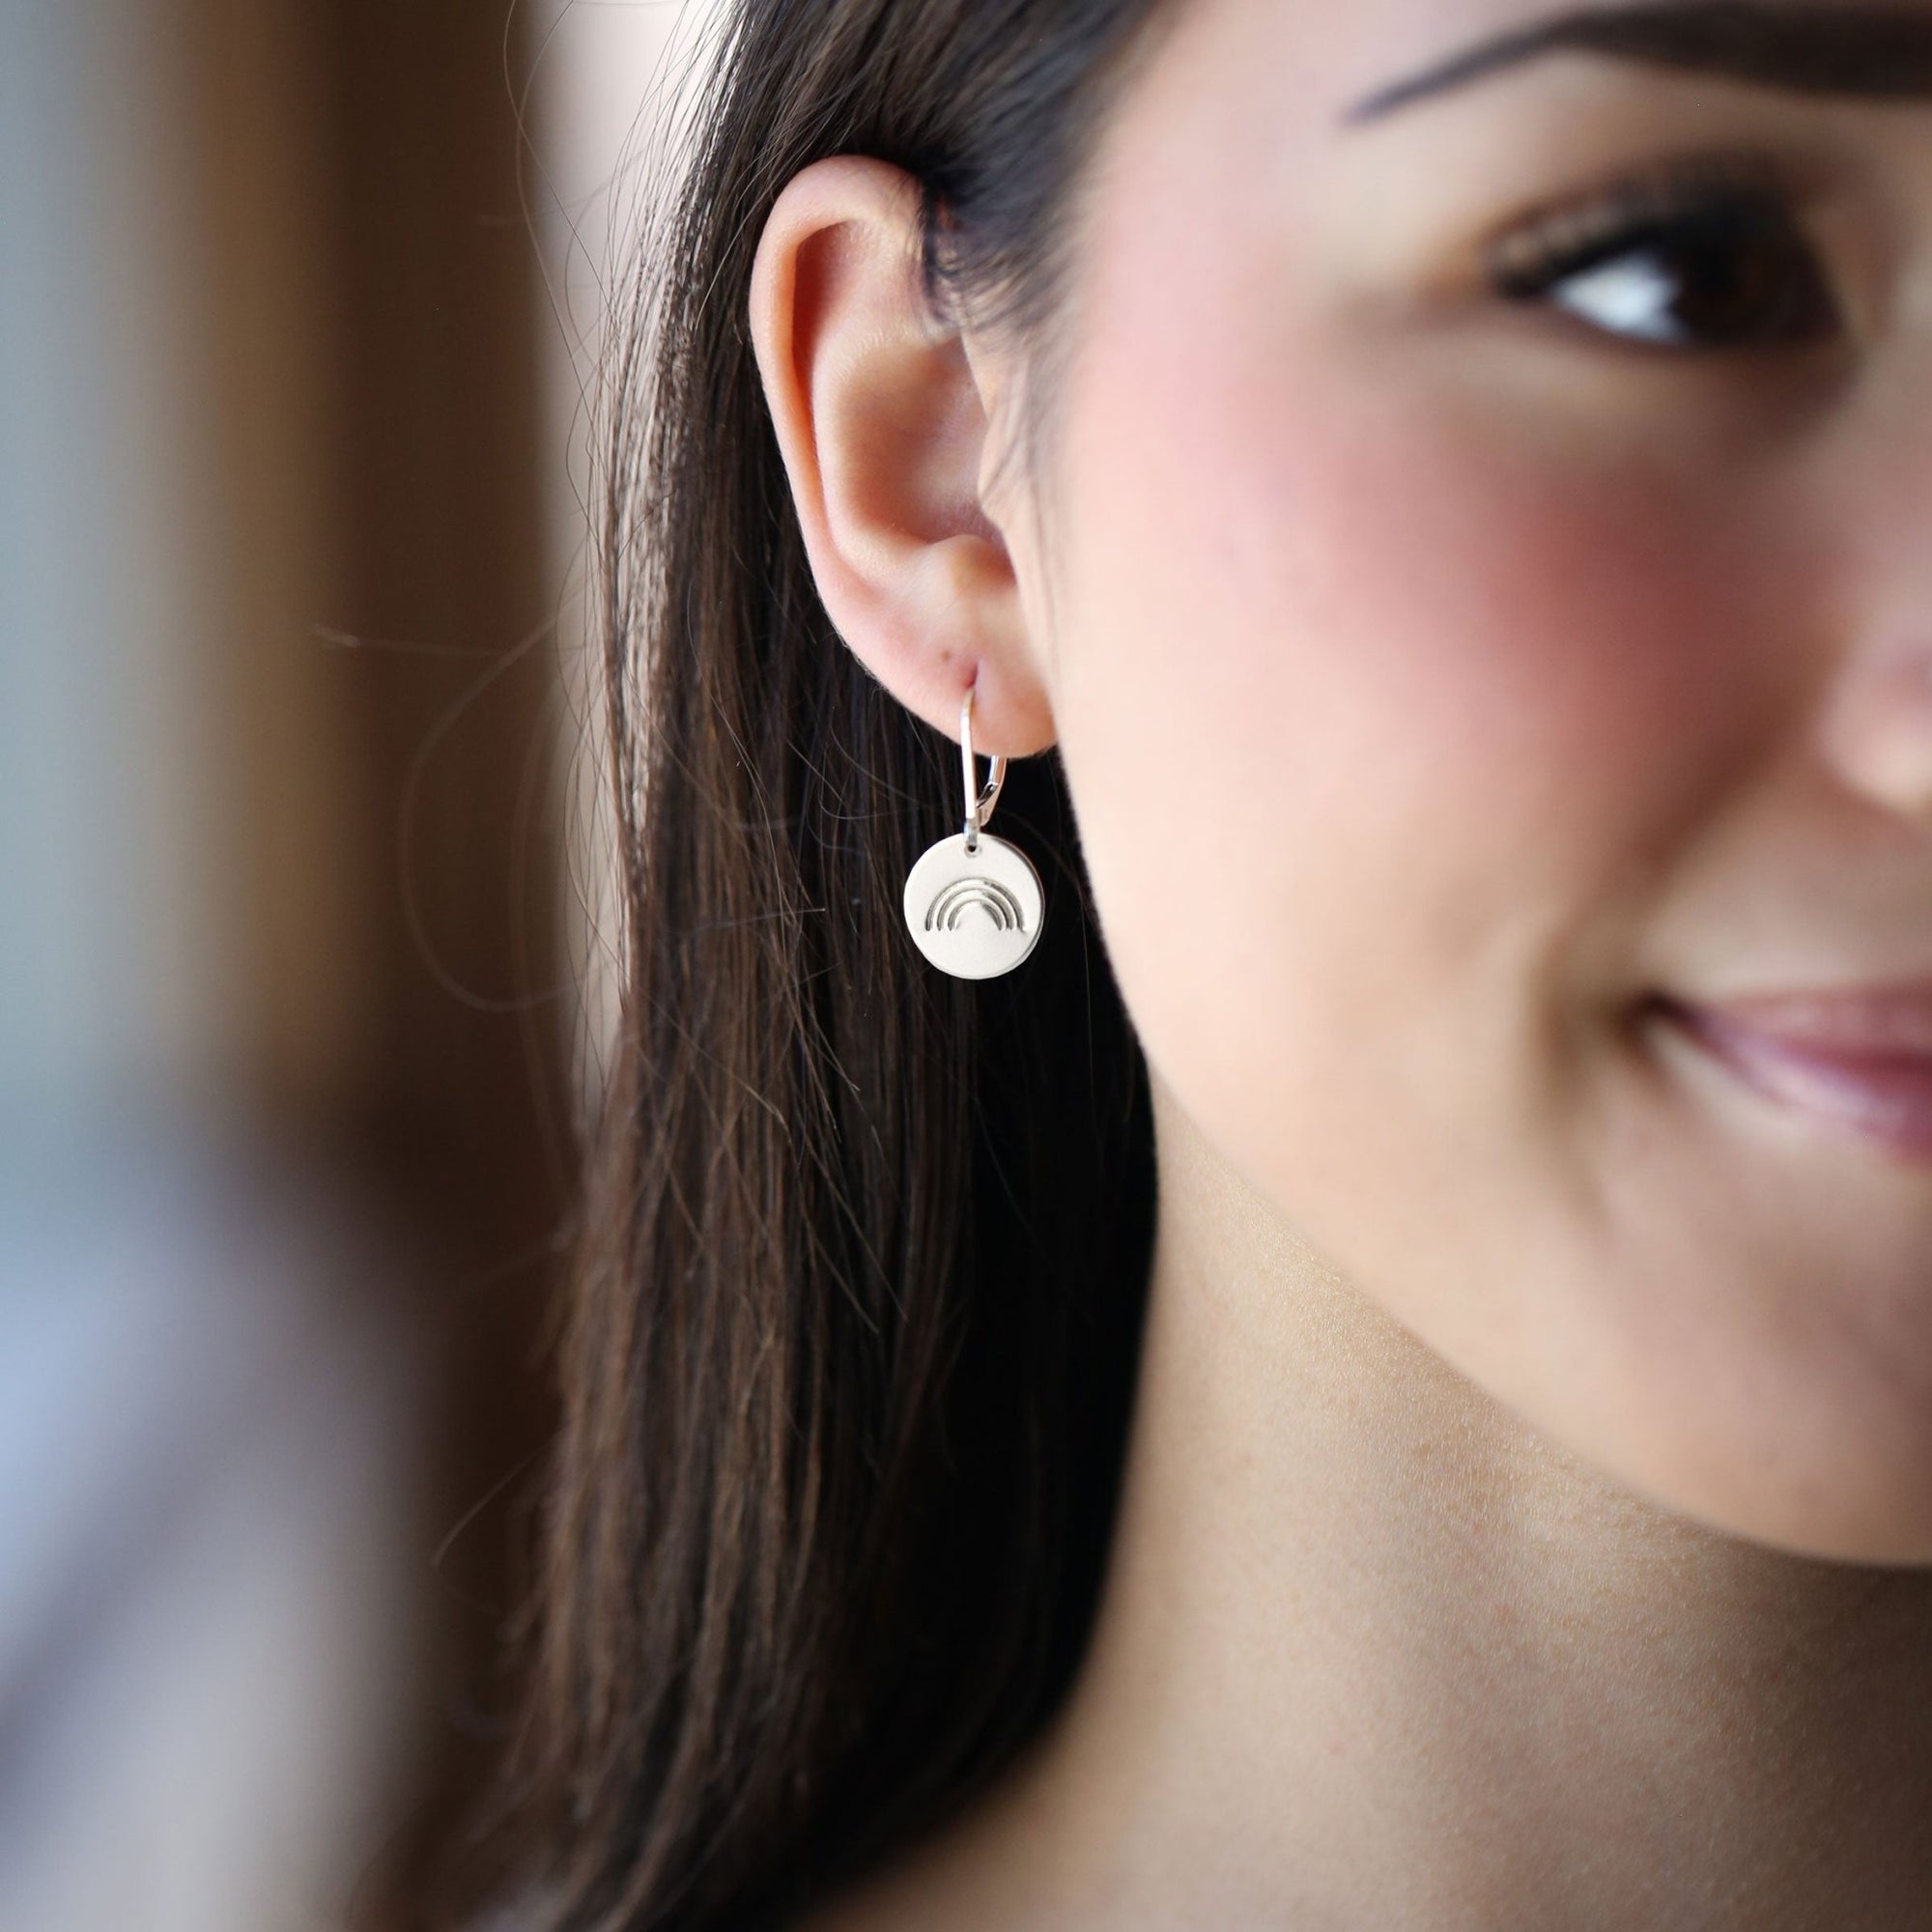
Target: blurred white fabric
(202, 1564)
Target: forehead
(1373, 56)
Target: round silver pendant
(974, 914)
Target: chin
(1890, 1532)
(1854, 1487)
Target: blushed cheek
(1362, 680)
(1542, 663)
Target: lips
(1855, 1061)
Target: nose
(1875, 717)
(1877, 726)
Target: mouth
(1857, 1065)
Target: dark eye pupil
(1738, 277)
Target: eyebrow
(1877, 53)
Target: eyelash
(1668, 214)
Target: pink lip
(1859, 1060)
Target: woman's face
(1486, 607)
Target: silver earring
(974, 903)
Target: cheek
(1355, 693)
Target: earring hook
(979, 802)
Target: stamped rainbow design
(964, 898)
(975, 911)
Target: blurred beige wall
(284, 1002)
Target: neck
(1371, 1652)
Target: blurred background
(300, 303)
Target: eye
(1690, 260)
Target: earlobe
(882, 425)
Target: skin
(1530, 1504)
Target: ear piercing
(974, 903)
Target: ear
(885, 433)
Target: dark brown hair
(858, 1310)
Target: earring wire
(979, 802)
